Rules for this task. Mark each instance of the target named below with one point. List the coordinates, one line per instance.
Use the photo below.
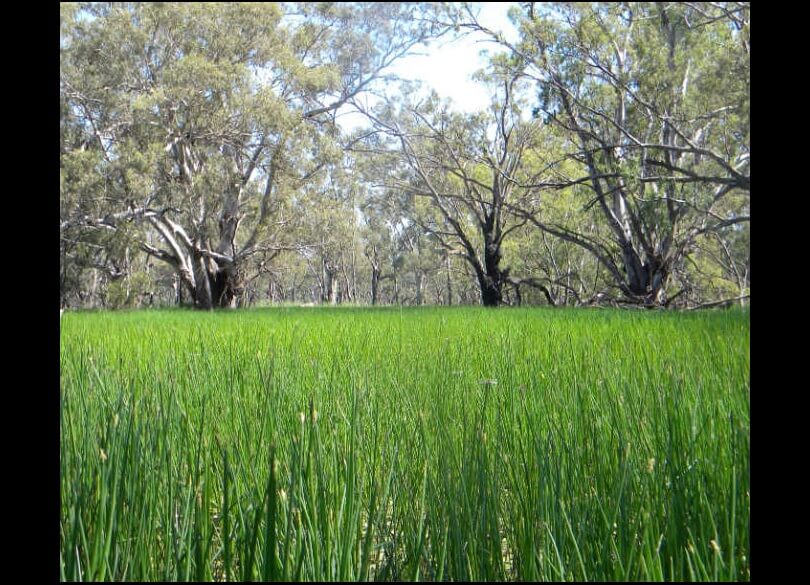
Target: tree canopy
(203, 162)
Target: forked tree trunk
(225, 289)
(647, 281)
(215, 286)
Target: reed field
(436, 444)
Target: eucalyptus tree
(196, 124)
(654, 100)
(379, 245)
(461, 175)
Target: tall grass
(431, 444)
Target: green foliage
(166, 105)
(219, 114)
(657, 94)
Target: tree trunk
(375, 285)
(449, 283)
(326, 287)
(349, 287)
(645, 281)
(491, 293)
(94, 287)
(333, 289)
(329, 292)
(490, 277)
(215, 286)
(178, 290)
(420, 282)
(651, 286)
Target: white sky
(448, 66)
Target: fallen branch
(723, 303)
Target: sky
(448, 66)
